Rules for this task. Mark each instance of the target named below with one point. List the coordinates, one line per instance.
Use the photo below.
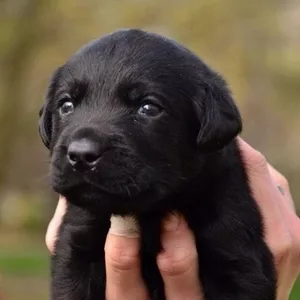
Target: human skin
(177, 263)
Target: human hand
(282, 226)
(177, 262)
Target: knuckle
(176, 263)
(284, 182)
(256, 163)
(283, 251)
(279, 178)
(121, 258)
(258, 159)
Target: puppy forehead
(131, 55)
(130, 46)
(129, 58)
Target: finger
(281, 223)
(124, 280)
(261, 183)
(178, 263)
(287, 208)
(54, 224)
(282, 182)
(268, 198)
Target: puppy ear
(219, 118)
(45, 114)
(45, 125)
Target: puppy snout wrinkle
(84, 153)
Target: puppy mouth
(101, 179)
(89, 194)
(84, 183)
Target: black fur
(183, 159)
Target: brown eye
(66, 108)
(149, 110)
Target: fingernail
(124, 226)
(172, 222)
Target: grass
(24, 268)
(22, 265)
(296, 291)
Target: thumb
(55, 223)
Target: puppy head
(130, 117)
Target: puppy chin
(96, 198)
(101, 201)
(96, 192)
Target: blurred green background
(254, 44)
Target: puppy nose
(84, 153)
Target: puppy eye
(150, 110)
(66, 108)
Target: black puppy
(139, 125)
